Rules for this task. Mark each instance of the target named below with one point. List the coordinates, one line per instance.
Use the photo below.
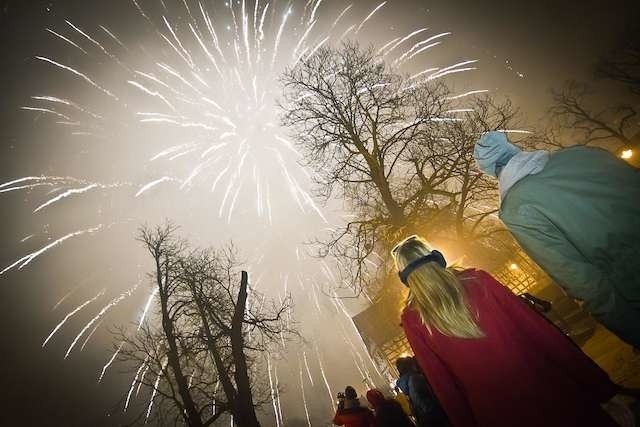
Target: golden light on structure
(513, 266)
(627, 154)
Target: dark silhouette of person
(424, 405)
(351, 413)
(387, 412)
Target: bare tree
(571, 113)
(398, 150)
(199, 363)
(576, 116)
(623, 64)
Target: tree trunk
(192, 415)
(245, 414)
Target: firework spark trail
(147, 306)
(369, 16)
(301, 41)
(419, 48)
(315, 298)
(71, 314)
(304, 398)
(340, 304)
(105, 309)
(423, 72)
(113, 36)
(95, 328)
(335, 23)
(49, 180)
(142, 376)
(419, 51)
(68, 193)
(155, 390)
(233, 203)
(324, 377)
(152, 184)
(72, 43)
(79, 74)
(152, 93)
(183, 53)
(318, 46)
(402, 40)
(315, 9)
(459, 110)
(61, 300)
(273, 394)
(472, 92)
(306, 364)
(133, 383)
(279, 35)
(380, 51)
(364, 347)
(110, 361)
(514, 131)
(275, 372)
(452, 68)
(46, 110)
(207, 52)
(97, 44)
(26, 187)
(25, 260)
(68, 103)
(171, 150)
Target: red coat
(358, 416)
(523, 373)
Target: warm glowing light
(513, 266)
(627, 154)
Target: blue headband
(434, 256)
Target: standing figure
(576, 212)
(387, 411)
(490, 359)
(350, 413)
(425, 407)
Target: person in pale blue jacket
(576, 212)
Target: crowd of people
(485, 358)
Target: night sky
(524, 49)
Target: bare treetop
(396, 149)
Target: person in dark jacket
(351, 413)
(387, 412)
(424, 405)
(576, 212)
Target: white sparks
(79, 74)
(152, 184)
(146, 307)
(71, 314)
(369, 16)
(25, 260)
(110, 361)
(102, 312)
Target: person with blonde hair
(490, 359)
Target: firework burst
(190, 103)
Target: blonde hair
(435, 292)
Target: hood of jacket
(521, 165)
